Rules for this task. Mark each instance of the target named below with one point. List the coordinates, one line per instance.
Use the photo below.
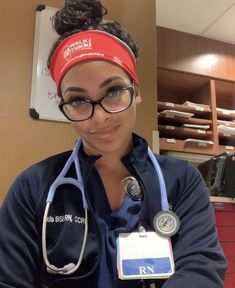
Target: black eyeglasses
(116, 100)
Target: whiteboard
(44, 99)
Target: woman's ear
(138, 98)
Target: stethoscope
(166, 223)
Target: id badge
(144, 255)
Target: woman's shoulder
(177, 168)
(171, 162)
(55, 161)
(49, 166)
(34, 180)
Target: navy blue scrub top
(125, 219)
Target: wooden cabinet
(181, 78)
(225, 111)
(196, 114)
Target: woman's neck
(112, 171)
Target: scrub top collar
(139, 152)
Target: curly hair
(82, 15)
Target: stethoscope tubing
(61, 179)
(72, 267)
(164, 201)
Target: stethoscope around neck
(62, 179)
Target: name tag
(144, 255)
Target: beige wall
(23, 140)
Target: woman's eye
(115, 91)
(76, 103)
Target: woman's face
(104, 132)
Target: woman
(93, 66)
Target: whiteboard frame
(43, 107)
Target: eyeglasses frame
(130, 88)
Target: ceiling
(208, 18)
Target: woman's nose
(100, 114)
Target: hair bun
(78, 15)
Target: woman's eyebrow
(104, 83)
(74, 89)
(109, 80)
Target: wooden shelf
(180, 145)
(225, 116)
(226, 123)
(227, 140)
(180, 120)
(206, 93)
(226, 148)
(183, 108)
(178, 83)
(168, 131)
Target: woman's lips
(105, 133)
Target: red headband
(91, 45)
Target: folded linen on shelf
(196, 126)
(197, 106)
(225, 111)
(226, 123)
(226, 130)
(175, 113)
(199, 142)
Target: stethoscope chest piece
(132, 188)
(166, 223)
